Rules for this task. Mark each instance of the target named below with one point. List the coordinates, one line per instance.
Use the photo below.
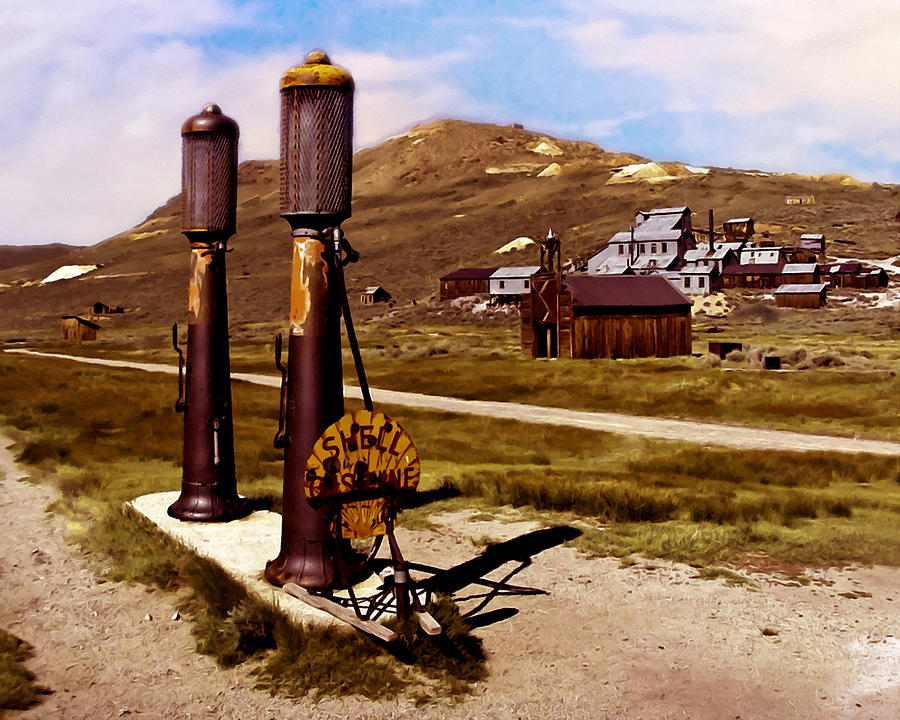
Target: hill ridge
(443, 195)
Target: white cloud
(95, 95)
(612, 127)
(822, 71)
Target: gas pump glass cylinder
(209, 196)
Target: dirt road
(704, 433)
(649, 641)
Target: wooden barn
(590, 316)
(806, 295)
(466, 281)
(374, 294)
(76, 329)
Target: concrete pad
(240, 547)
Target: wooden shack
(590, 316)
(811, 247)
(723, 347)
(800, 273)
(804, 295)
(876, 278)
(854, 275)
(374, 294)
(466, 281)
(738, 229)
(76, 329)
(99, 308)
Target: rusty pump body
(209, 196)
(315, 183)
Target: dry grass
(103, 453)
(18, 689)
(106, 436)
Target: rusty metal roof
(81, 320)
(799, 268)
(848, 267)
(471, 273)
(520, 271)
(666, 211)
(622, 291)
(801, 289)
(648, 261)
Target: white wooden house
(510, 283)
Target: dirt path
(734, 436)
(649, 641)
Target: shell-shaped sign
(364, 452)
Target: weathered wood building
(76, 329)
(853, 275)
(738, 229)
(510, 284)
(658, 241)
(800, 273)
(590, 316)
(466, 281)
(374, 294)
(99, 308)
(804, 295)
(753, 275)
(811, 247)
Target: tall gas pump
(315, 182)
(209, 197)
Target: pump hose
(342, 244)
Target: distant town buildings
(634, 300)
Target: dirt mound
(714, 305)
(640, 171)
(842, 179)
(520, 243)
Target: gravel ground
(606, 641)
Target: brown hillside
(16, 255)
(438, 197)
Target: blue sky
(94, 92)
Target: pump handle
(180, 404)
(281, 439)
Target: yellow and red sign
(366, 453)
